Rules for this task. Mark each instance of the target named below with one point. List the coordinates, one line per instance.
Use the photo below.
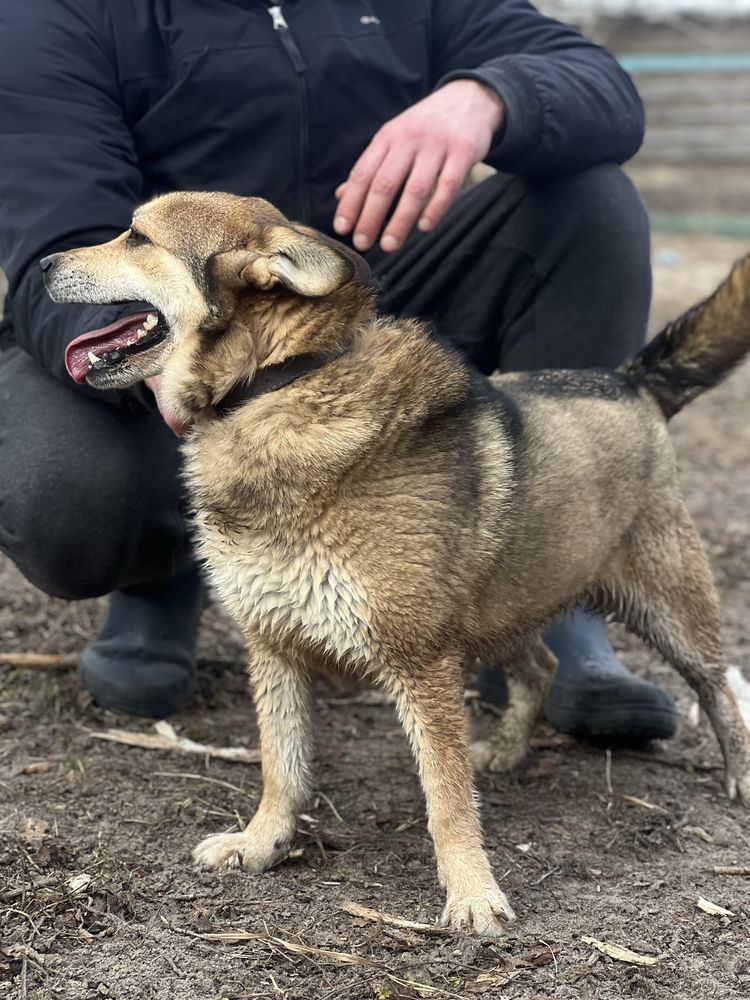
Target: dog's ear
(301, 259)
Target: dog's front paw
(497, 758)
(253, 850)
(486, 915)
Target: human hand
(434, 144)
(178, 426)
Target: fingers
(354, 191)
(378, 198)
(428, 194)
(417, 191)
(424, 154)
(386, 184)
(451, 180)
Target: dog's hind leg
(663, 590)
(283, 695)
(430, 706)
(528, 672)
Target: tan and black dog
(366, 503)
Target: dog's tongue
(99, 342)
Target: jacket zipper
(298, 65)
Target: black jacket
(104, 103)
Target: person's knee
(78, 536)
(599, 236)
(603, 205)
(60, 538)
(91, 496)
(585, 241)
(61, 568)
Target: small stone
(38, 767)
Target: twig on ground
(698, 831)
(367, 913)
(545, 876)
(341, 957)
(619, 953)
(552, 953)
(199, 777)
(308, 951)
(38, 661)
(23, 913)
(646, 805)
(166, 738)
(422, 988)
(731, 870)
(713, 908)
(333, 808)
(175, 969)
(494, 979)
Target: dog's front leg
(431, 707)
(283, 703)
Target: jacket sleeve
(69, 172)
(568, 104)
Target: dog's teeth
(93, 358)
(130, 343)
(140, 334)
(150, 322)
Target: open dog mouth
(103, 350)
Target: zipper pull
(282, 30)
(277, 17)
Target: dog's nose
(46, 262)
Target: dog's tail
(698, 350)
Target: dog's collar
(274, 377)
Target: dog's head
(210, 264)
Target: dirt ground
(99, 897)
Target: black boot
(144, 661)
(593, 696)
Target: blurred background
(690, 60)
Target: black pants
(521, 274)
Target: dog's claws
(486, 915)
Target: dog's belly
(304, 594)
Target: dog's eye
(136, 239)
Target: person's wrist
(493, 104)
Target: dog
(365, 502)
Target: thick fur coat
(389, 513)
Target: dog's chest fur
(289, 590)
